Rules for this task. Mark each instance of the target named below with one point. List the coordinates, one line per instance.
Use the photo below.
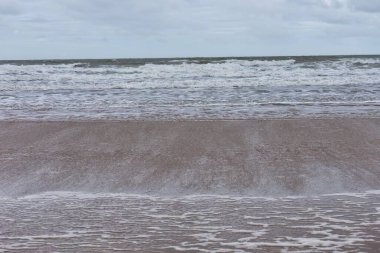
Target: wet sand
(295, 185)
(254, 157)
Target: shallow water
(72, 221)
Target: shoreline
(103, 120)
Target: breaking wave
(190, 88)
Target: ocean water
(197, 88)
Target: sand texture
(242, 157)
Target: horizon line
(191, 57)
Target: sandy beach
(242, 157)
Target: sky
(56, 29)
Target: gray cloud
(8, 7)
(145, 28)
(366, 6)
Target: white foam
(196, 197)
(103, 222)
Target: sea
(191, 88)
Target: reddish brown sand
(255, 157)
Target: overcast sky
(41, 29)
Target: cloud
(133, 28)
(365, 5)
(8, 7)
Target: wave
(190, 74)
(190, 88)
